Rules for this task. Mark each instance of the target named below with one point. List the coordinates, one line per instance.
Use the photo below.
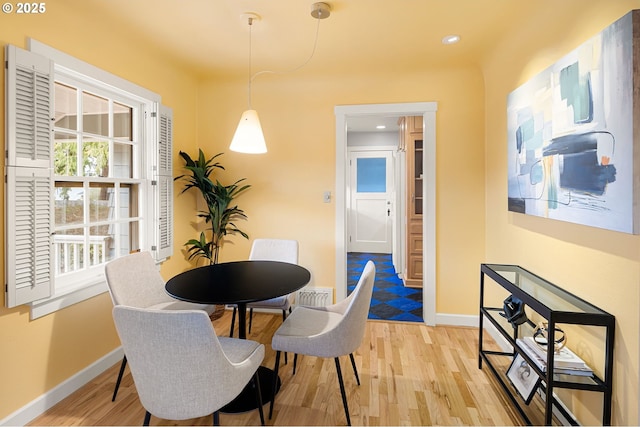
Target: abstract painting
(571, 137)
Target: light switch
(326, 197)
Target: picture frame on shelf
(523, 377)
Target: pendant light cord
(313, 51)
(250, 78)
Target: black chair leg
(344, 394)
(275, 383)
(355, 370)
(147, 418)
(250, 318)
(233, 321)
(284, 317)
(216, 418)
(120, 374)
(295, 362)
(256, 384)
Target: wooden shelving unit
(414, 144)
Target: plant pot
(218, 312)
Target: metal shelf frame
(556, 306)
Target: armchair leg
(147, 418)
(120, 374)
(250, 318)
(355, 370)
(275, 383)
(216, 418)
(256, 384)
(344, 394)
(295, 362)
(233, 321)
(284, 317)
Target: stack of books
(565, 361)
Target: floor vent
(315, 297)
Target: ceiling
(371, 123)
(211, 37)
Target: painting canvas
(571, 134)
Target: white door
(371, 202)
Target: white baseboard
(441, 319)
(39, 405)
(457, 320)
(497, 336)
(473, 321)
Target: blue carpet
(391, 300)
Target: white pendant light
(248, 137)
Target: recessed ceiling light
(451, 39)
(381, 127)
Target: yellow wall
(37, 355)
(600, 266)
(297, 113)
(297, 116)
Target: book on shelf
(565, 362)
(586, 372)
(564, 358)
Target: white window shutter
(29, 177)
(29, 108)
(165, 142)
(165, 222)
(164, 185)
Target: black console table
(543, 301)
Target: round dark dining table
(240, 282)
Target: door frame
(428, 111)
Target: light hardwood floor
(410, 374)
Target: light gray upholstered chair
(134, 280)
(271, 250)
(180, 367)
(333, 331)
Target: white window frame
(69, 282)
(156, 203)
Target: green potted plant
(221, 212)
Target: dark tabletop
(238, 282)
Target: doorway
(427, 110)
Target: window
(97, 190)
(88, 177)
(371, 175)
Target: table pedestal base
(246, 400)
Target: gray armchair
(271, 250)
(134, 280)
(332, 331)
(180, 367)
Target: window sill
(68, 296)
